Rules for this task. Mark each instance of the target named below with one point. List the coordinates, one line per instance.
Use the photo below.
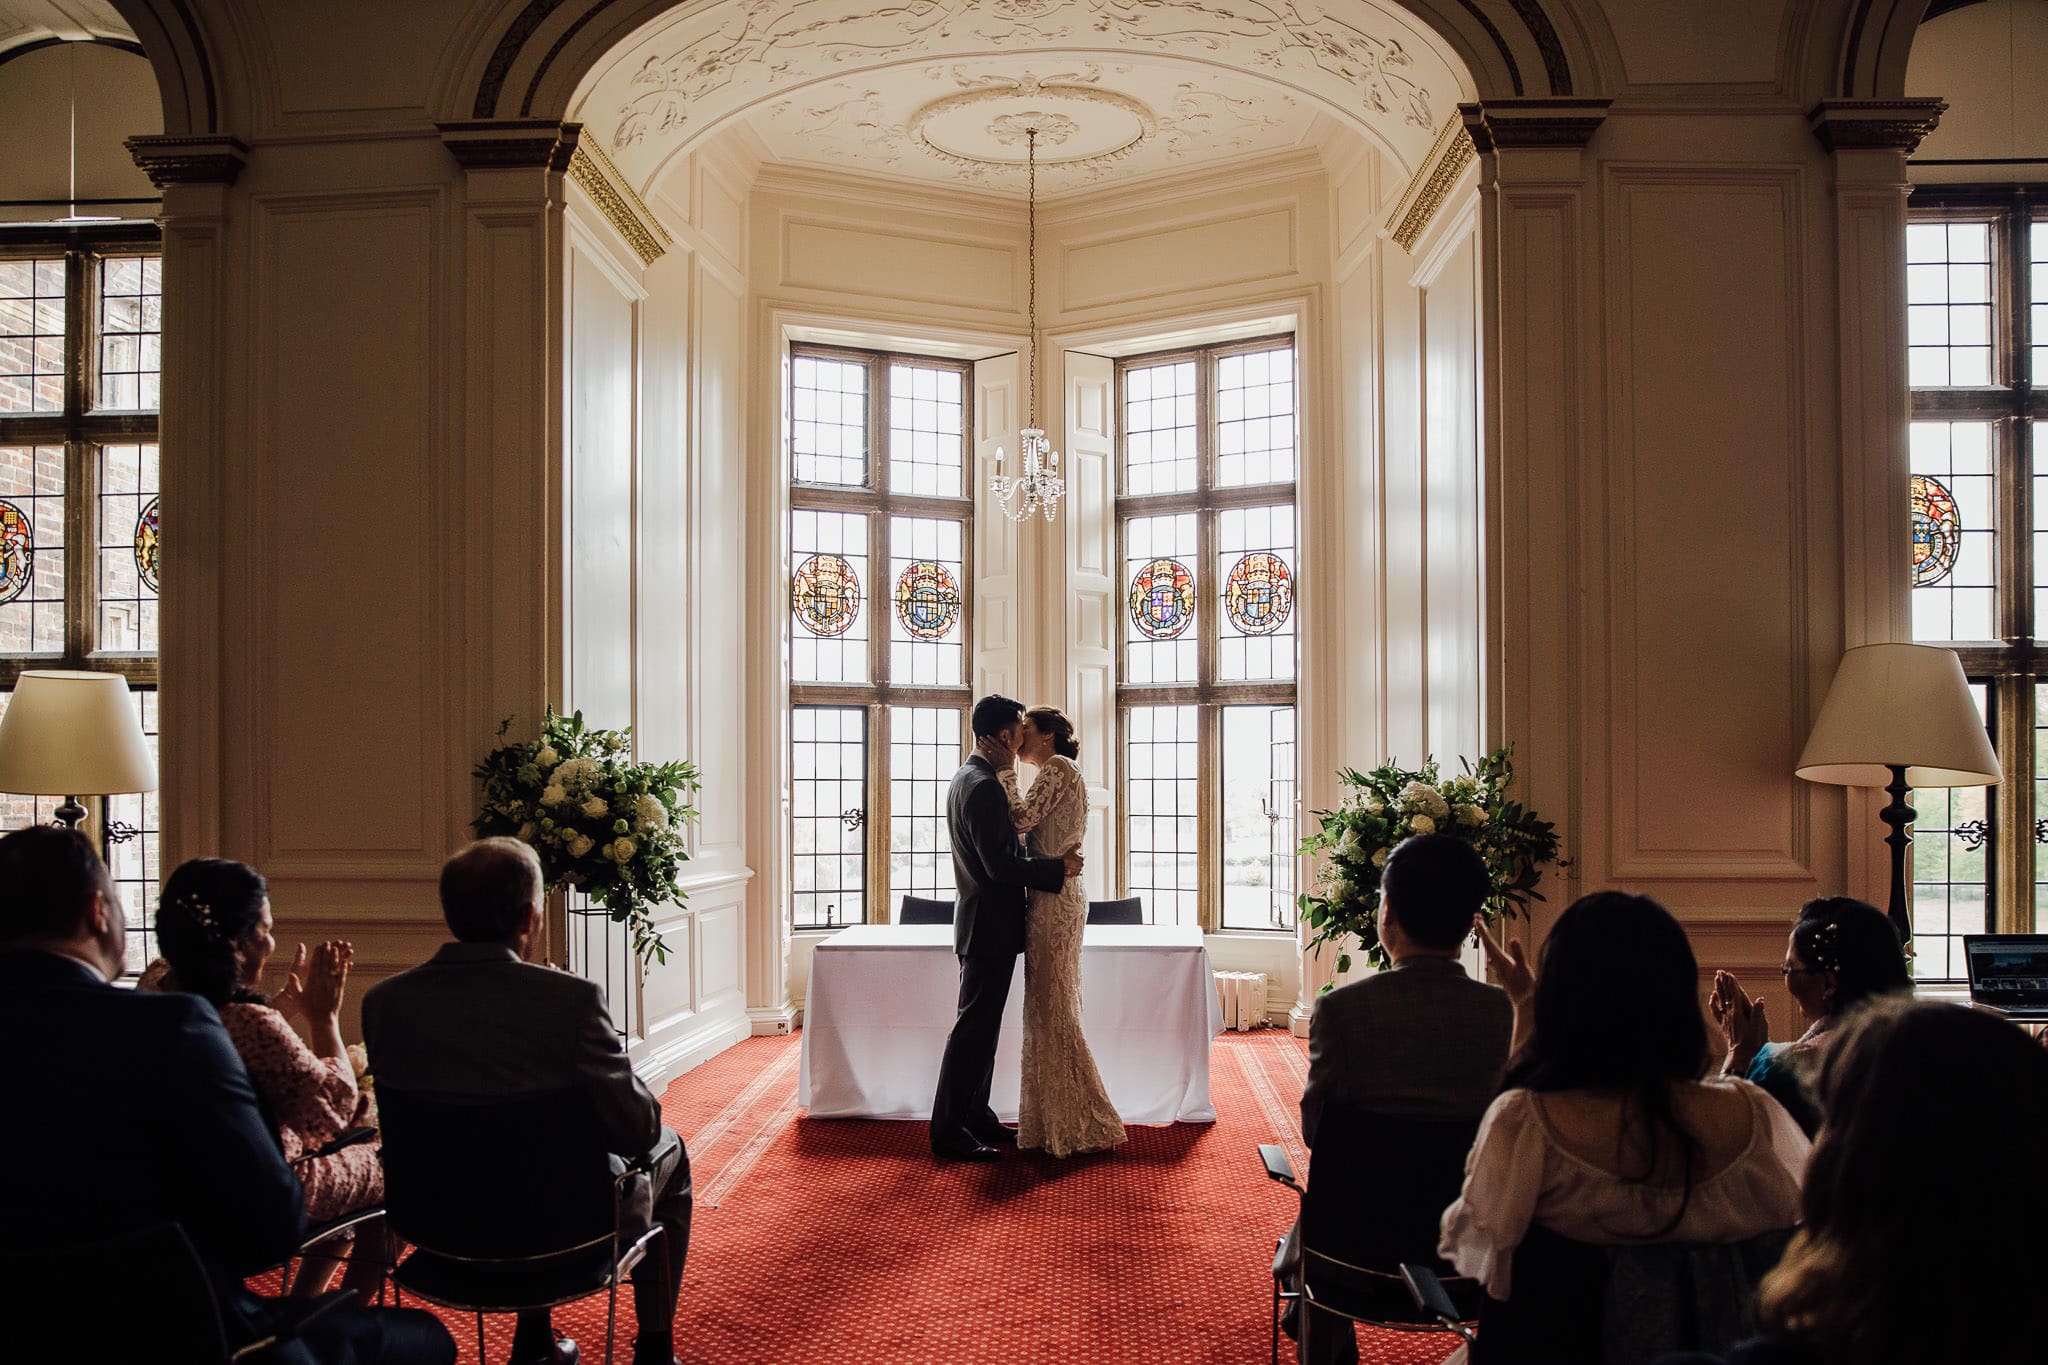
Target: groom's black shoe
(965, 1147)
(998, 1136)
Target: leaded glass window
(880, 534)
(1207, 459)
(81, 360)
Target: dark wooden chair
(918, 910)
(1129, 910)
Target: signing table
(883, 997)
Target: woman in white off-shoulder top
(1606, 1133)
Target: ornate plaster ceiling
(966, 122)
(30, 21)
(840, 75)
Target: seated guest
(1843, 954)
(213, 924)
(1419, 1041)
(143, 1115)
(477, 1020)
(1605, 1133)
(1922, 1237)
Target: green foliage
(601, 823)
(1390, 804)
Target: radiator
(1243, 996)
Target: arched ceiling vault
(940, 88)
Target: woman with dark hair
(213, 924)
(1062, 1107)
(1922, 1239)
(1843, 953)
(1605, 1132)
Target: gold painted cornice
(1431, 184)
(594, 172)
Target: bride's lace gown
(1063, 1108)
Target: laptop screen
(2008, 971)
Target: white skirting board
(1243, 997)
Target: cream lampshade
(73, 734)
(1899, 717)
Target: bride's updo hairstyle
(1054, 725)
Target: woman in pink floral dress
(213, 924)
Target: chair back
(1129, 910)
(918, 910)
(1625, 1305)
(495, 1177)
(86, 1301)
(1378, 1186)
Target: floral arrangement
(1391, 803)
(600, 822)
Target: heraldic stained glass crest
(148, 542)
(927, 599)
(17, 551)
(1937, 531)
(1162, 599)
(825, 594)
(1259, 594)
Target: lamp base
(1898, 815)
(70, 813)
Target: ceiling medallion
(989, 126)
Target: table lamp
(73, 734)
(1898, 717)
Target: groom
(992, 872)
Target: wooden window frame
(2011, 667)
(1207, 502)
(879, 503)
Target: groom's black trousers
(967, 1072)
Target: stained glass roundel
(825, 594)
(1937, 531)
(927, 599)
(1162, 599)
(1259, 594)
(17, 551)
(148, 542)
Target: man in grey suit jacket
(1421, 1040)
(478, 1020)
(992, 875)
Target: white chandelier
(1038, 486)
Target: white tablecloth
(883, 998)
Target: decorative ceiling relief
(1096, 120)
(1281, 59)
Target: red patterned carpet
(840, 1242)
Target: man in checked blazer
(992, 873)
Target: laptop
(2009, 974)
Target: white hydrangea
(576, 774)
(594, 807)
(555, 795)
(623, 849)
(648, 813)
(1471, 815)
(1424, 799)
(1421, 824)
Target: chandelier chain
(1031, 255)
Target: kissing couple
(1012, 898)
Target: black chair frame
(1129, 910)
(622, 1263)
(317, 1233)
(1375, 1284)
(922, 910)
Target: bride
(1063, 1109)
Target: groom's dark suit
(991, 873)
